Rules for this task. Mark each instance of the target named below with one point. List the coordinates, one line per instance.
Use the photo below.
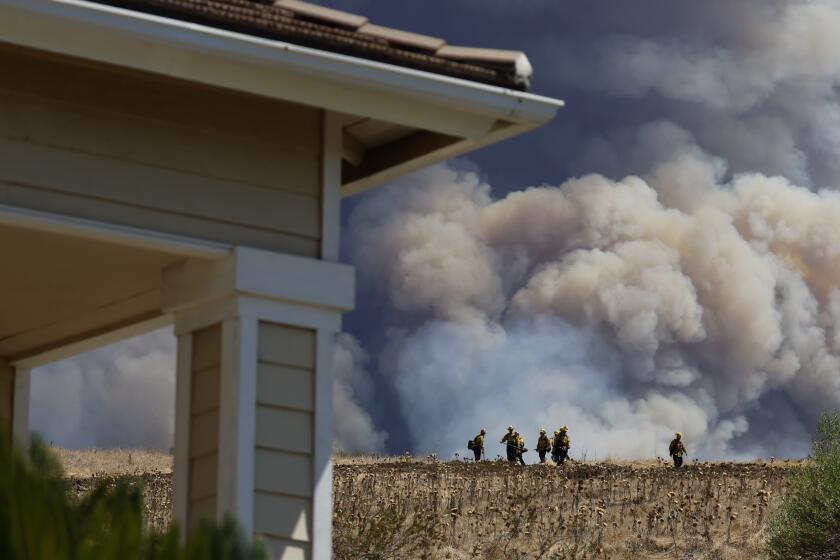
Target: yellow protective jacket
(677, 448)
(478, 441)
(508, 438)
(562, 441)
(543, 443)
(520, 443)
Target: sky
(660, 257)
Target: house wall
(204, 424)
(151, 152)
(283, 462)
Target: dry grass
(410, 509)
(407, 508)
(114, 462)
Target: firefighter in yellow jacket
(677, 450)
(543, 445)
(560, 445)
(520, 448)
(477, 445)
(509, 439)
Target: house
(183, 162)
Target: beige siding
(282, 516)
(203, 477)
(148, 151)
(283, 461)
(285, 386)
(280, 428)
(204, 424)
(205, 390)
(283, 473)
(284, 549)
(289, 346)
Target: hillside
(407, 508)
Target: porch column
(14, 401)
(253, 431)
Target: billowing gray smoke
(627, 310)
(699, 293)
(754, 81)
(119, 396)
(692, 284)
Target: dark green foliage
(807, 525)
(39, 521)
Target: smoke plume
(119, 396)
(626, 309)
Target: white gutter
(267, 67)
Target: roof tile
(321, 13)
(310, 25)
(405, 38)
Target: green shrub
(38, 520)
(807, 525)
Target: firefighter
(561, 444)
(543, 445)
(477, 445)
(677, 450)
(509, 439)
(520, 447)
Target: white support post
(14, 401)
(237, 419)
(20, 408)
(254, 394)
(181, 467)
(323, 467)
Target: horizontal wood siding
(283, 464)
(145, 151)
(284, 549)
(204, 424)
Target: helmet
(542, 430)
(678, 434)
(510, 428)
(564, 429)
(483, 431)
(556, 432)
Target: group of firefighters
(558, 446)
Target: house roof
(315, 26)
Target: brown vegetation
(407, 508)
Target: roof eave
(470, 111)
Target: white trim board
(264, 274)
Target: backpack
(470, 444)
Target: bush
(807, 525)
(38, 520)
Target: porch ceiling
(58, 289)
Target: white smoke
(626, 309)
(353, 397)
(119, 396)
